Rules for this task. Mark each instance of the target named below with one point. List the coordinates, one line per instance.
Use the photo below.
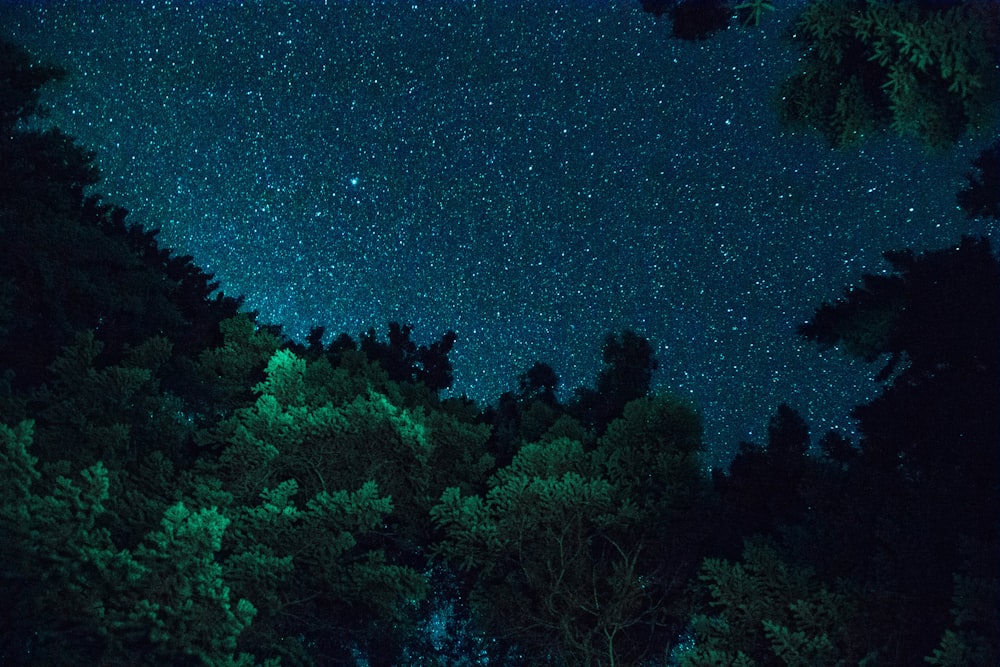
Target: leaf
(797, 649)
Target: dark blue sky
(532, 175)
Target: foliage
(925, 477)
(694, 20)
(939, 328)
(652, 455)
(86, 599)
(923, 71)
(223, 375)
(405, 362)
(69, 263)
(20, 85)
(629, 364)
(317, 425)
(311, 570)
(753, 10)
(763, 488)
(770, 612)
(574, 533)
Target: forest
(181, 484)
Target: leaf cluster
(579, 533)
(927, 72)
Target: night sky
(532, 175)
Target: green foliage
(293, 562)
(770, 612)
(651, 454)
(797, 649)
(94, 408)
(753, 10)
(569, 530)
(89, 600)
(227, 372)
(929, 73)
(18, 463)
(307, 426)
(181, 486)
(535, 538)
(186, 609)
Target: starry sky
(532, 175)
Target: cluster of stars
(531, 175)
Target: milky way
(532, 175)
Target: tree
(405, 362)
(538, 382)
(85, 599)
(762, 490)
(926, 475)
(576, 556)
(69, 262)
(629, 363)
(981, 199)
(768, 611)
(938, 323)
(921, 70)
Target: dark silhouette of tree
(787, 435)
(762, 489)
(926, 475)
(837, 448)
(404, 361)
(657, 7)
(504, 420)
(516, 412)
(538, 383)
(314, 341)
(937, 320)
(629, 364)
(436, 371)
(698, 19)
(982, 198)
(21, 84)
(692, 20)
(70, 263)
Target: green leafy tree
(222, 376)
(565, 563)
(84, 599)
(329, 429)
(973, 638)
(769, 612)
(318, 576)
(923, 71)
(148, 490)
